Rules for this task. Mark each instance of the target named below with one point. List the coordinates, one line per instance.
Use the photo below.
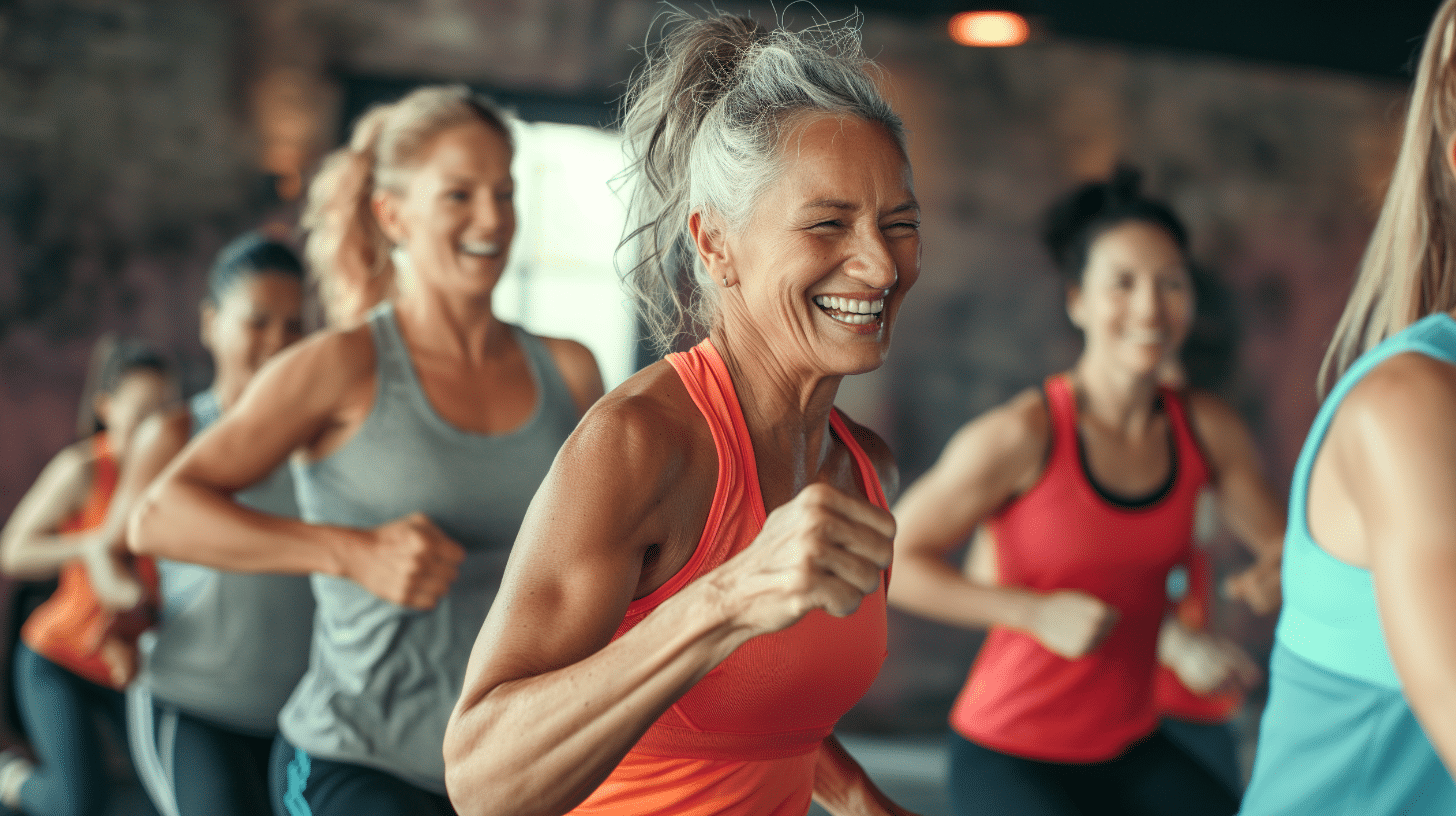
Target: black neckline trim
(1141, 502)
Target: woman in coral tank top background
(698, 591)
(1088, 489)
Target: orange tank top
(744, 740)
(1062, 533)
(69, 627)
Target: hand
(117, 588)
(822, 550)
(407, 561)
(1204, 662)
(1257, 586)
(1071, 623)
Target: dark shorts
(1154, 777)
(305, 785)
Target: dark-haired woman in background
(231, 646)
(79, 647)
(1088, 487)
(698, 591)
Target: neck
(787, 411)
(1116, 398)
(227, 388)
(439, 323)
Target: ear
(386, 207)
(206, 315)
(710, 240)
(1074, 305)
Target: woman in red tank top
(1087, 488)
(698, 590)
(79, 646)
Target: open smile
(851, 311)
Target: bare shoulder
(879, 454)
(1018, 429)
(314, 373)
(71, 467)
(578, 368)
(1408, 398)
(647, 427)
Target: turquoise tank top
(1338, 737)
(384, 679)
(231, 646)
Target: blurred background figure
(229, 647)
(1089, 489)
(1362, 695)
(421, 435)
(79, 647)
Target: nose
(871, 261)
(494, 215)
(1148, 301)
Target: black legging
(1153, 778)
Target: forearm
(518, 749)
(181, 521)
(843, 788)
(932, 589)
(39, 557)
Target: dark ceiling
(1372, 37)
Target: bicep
(1246, 501)
(980, 469)
(574, 568)
(284, 407)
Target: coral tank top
(1024, 700)
(744, 740)
(69, 627)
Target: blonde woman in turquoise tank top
(417, 437)
(1362, 704)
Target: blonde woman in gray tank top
(418, 437)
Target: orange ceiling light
(989, 29)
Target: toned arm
(986, 464)
(1246, 502)
(551, 703)
(1393, 450)
(188, 514)
(30, 546)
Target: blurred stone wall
(137, 136)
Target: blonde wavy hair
(1409, 267)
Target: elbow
(483, 782)
(142, 526)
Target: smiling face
(139, 394)
(257, 317)
(1135, 302)
(456, 215)
(817, 274)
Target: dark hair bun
(1074, 222)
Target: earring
(725, 281)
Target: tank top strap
(105, 472)
(1061, 404)
(705, 377)
(550, 383)
(1191, 461)
(391, 355)
(869, 477)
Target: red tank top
(69, 627)
(744, 740)
(1062, 534)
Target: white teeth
(489, 249)
(853, 307)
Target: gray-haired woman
(698, 592)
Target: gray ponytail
(703, 122)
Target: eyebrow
(835, 204)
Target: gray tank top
(231, 647)
(384, 678)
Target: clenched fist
(407, 561)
